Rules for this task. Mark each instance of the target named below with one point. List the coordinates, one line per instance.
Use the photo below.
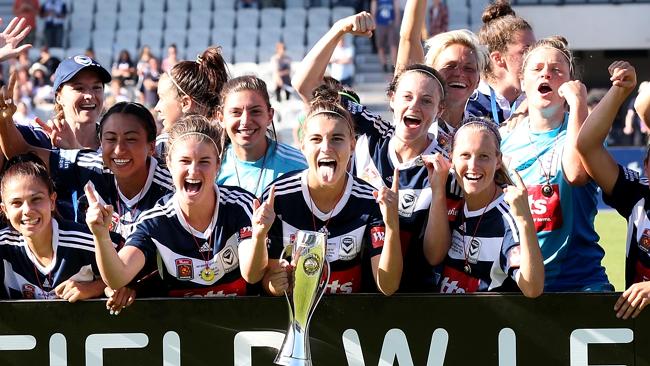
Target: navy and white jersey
(161, 146)
(487, 242)
(375, 161)
(183, 253)
(35, 135)
(355, 229)
(631, 198)
(72, 169)
(23, 277)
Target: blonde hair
(480, 124)
(438, 43)
(197, 127)
(557, 43)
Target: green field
(612, 227)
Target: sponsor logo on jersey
(546, 211)
(245, 233)
(344, 282)
(453, 208)
(29, 291)
(206, 247)
(184, 269)
(377, 236)
(455, 282)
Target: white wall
(592, 27)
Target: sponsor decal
(184, 269)
(455, 281)
(29, 291)
(245, 233)
(377, 236)
(547, 211)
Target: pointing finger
(90, 193)
(271, 199)
(43, 125)
(256, 204)
(395, 186)
(518, 181)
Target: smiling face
(28, 204)
(327, 145)
(245, 117)
(475, 159)
(193, 163)
(416, 105)
(168, 108)
(459, 67)
(82, 97)
(125, 148)
(546, 69)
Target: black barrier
(355, 330)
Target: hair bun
(498, 9)
(324, 93)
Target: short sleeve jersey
(565, 220)
(631, 198)
(355, 229)
(254, 176)
(375, 161)
(484, 253)
(72, 169)
(193, 263)
(74, 258)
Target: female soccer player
(415, 95)
(42, 256)
(253, 157)
(124, 172)
(361, 233)
(622, 188)
(542, 148)
(493, 245)
(507, 37)
(190, 87)
(202, 234)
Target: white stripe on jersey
(507, 215)
(163, 177)
(158, 210)
(90, 159)
(237, 197)
(287, 152)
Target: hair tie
(199, 59)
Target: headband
(181, 89)
(326, 112)
(490, 126)
(567, 57)
(442, 89)
(194, 133)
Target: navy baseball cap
(70, 66)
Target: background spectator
(54, 13)
(281, 64)
(438, 18)
(124, 69)
(386, 13)
(28, 9)
(171, 59)
(342, 63)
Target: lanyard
(495, 109)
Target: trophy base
(291, 361)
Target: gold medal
(207, 274)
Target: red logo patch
(245, 233)
(184, 269)
(453, 208)
(455, 281)
(644, 242)
(547, 211)
(234, 288)
(29, 291)
(377, 235)
(345, 281)
(641, 272)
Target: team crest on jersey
(644, 242)
(229, 259)
(348, 248)
(473, 250)
(29, 291)
(407, 200)
(184, 269)
(245, 233)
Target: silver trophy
(311, 274)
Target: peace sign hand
(388, 200)
(60, 133)
(98, 216)
(264, 214)
(517, 197)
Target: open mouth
(88, 107)
(121, 162)
(544, 88)
(457, 85)
(473, 177)
(327, 167)
(412, 121)
(192, 185)
(30, 221)
(246, 131)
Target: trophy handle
(323, 285)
